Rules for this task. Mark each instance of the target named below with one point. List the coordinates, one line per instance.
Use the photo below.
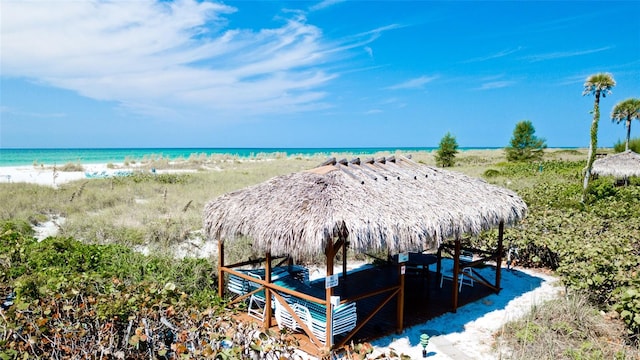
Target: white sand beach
(46, 175)
(40, 176)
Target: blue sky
(310, 74)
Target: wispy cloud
(379, 30)
(619, 70)
(416, 83)
(369, 51)
(13, 111)
(324, 4)
(574, 79)
(373, 111)
(361, 40)
(565, 54)
(559, 24)
(497, 55)
(490, 85)
(150, 55)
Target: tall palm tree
(626, 110)
(599, 85)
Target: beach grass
(565, 328)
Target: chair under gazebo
(388, 205)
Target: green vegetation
(594, 246)
(100, 288)
(626, 111)
(597, 85)
(524, 145)
(71, 299)
(446, 153)
(634, 145)
(564, 329)
(75, 299)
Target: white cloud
(8, 110)
(325, 4)
(565, 54)
(152, 55)
(369, 51)
(497, 55)
(373, 111)
(378, 31)
(417, 83)
(495, 85)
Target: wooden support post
(456, 271)
(499, 255)
(400, 297)
(344, 260)
(330, 254)
(267, 292)
(220, 266)
(439, 264)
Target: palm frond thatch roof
(393, 204)
(620, 165)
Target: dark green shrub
(15, 229)
(446, 153)
(629, 309)
(15, 239)
(525, 145)
(491, 173)
(634, 145)
(57, 261)
(600, 189)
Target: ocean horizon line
(268, 147)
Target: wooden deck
(423, 300)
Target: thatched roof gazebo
(620, 165)
(392, 204)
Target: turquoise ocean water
(21, 157)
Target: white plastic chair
(237, 285)
(314, 315)
(257, 301)
(284, 319)
(464, 277)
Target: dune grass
(567, 328)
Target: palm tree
(626, 110)
(598, 84)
